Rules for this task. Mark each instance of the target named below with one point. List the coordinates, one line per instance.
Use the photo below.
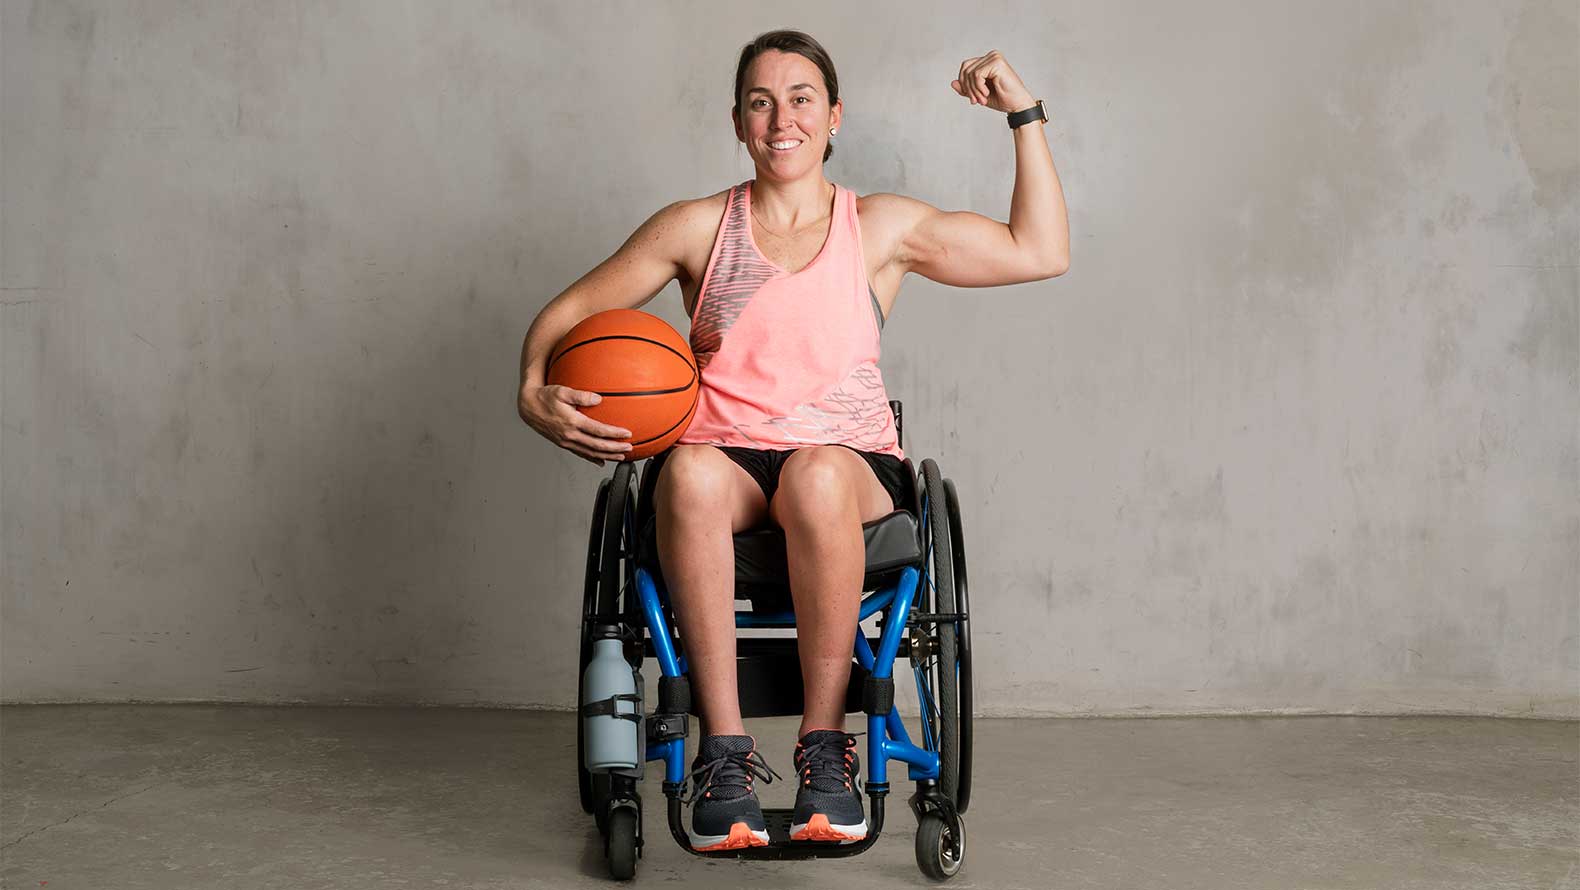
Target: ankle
(801, 734)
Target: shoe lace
(728, 771)
(829, 759)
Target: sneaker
(828, 798)
(725, 812)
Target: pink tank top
(789, 360)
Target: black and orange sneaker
(725, 812)
(827, 795)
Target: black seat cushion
(762, 572)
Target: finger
(965, 78)
(597, 447)
(579, 397)
(605, 442)
(976, 83)
(594, 428)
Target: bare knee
(815, 487)
(700, 482)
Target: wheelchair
(915, 583)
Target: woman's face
(783, 100)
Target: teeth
(783, 145)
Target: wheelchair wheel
(963, 644)
(945, 672)
(622, 844)
(584, 779)
(611, 571)
(939, 851)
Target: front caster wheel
(622, 844)
(939, 851)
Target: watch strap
(1027, 115)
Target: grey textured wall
(1299, 430)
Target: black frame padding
(877, 695)
(674, 695)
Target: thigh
(706, 477)
(872, 496)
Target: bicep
(965, 249)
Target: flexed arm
(966, 249)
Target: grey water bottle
(612, 707)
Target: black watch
(1038, 112)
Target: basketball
(641, 366)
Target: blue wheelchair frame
(886, 735)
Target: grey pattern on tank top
(738, 273)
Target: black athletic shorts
(765, 466)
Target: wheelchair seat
(762, 572)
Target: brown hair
(790, 42)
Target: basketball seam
(664, 346)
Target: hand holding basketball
(552, 410)
(630, 375)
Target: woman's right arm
(633, 275)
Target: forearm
(552, 324)
(1037, 217)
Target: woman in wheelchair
(787, 279)
(820, 496)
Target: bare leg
(825, 494)
(701, 499)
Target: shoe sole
(819, 829)
(741, 835)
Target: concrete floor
(242, 797)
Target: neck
(788, 205)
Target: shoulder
(678, 228)
(695, 216)
(889, 222)
(890, 209)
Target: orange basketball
(643, 369)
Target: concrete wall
(1298, 431)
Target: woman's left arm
(966, 249)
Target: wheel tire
(939, 854)
(945, 675)
(589, 607)
(616, 566)
(622, 844)
(963, 644)
(614, 574)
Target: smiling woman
(801, 94)
(788, 278)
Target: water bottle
(612, 706)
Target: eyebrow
(793, 88)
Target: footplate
(779, 844)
